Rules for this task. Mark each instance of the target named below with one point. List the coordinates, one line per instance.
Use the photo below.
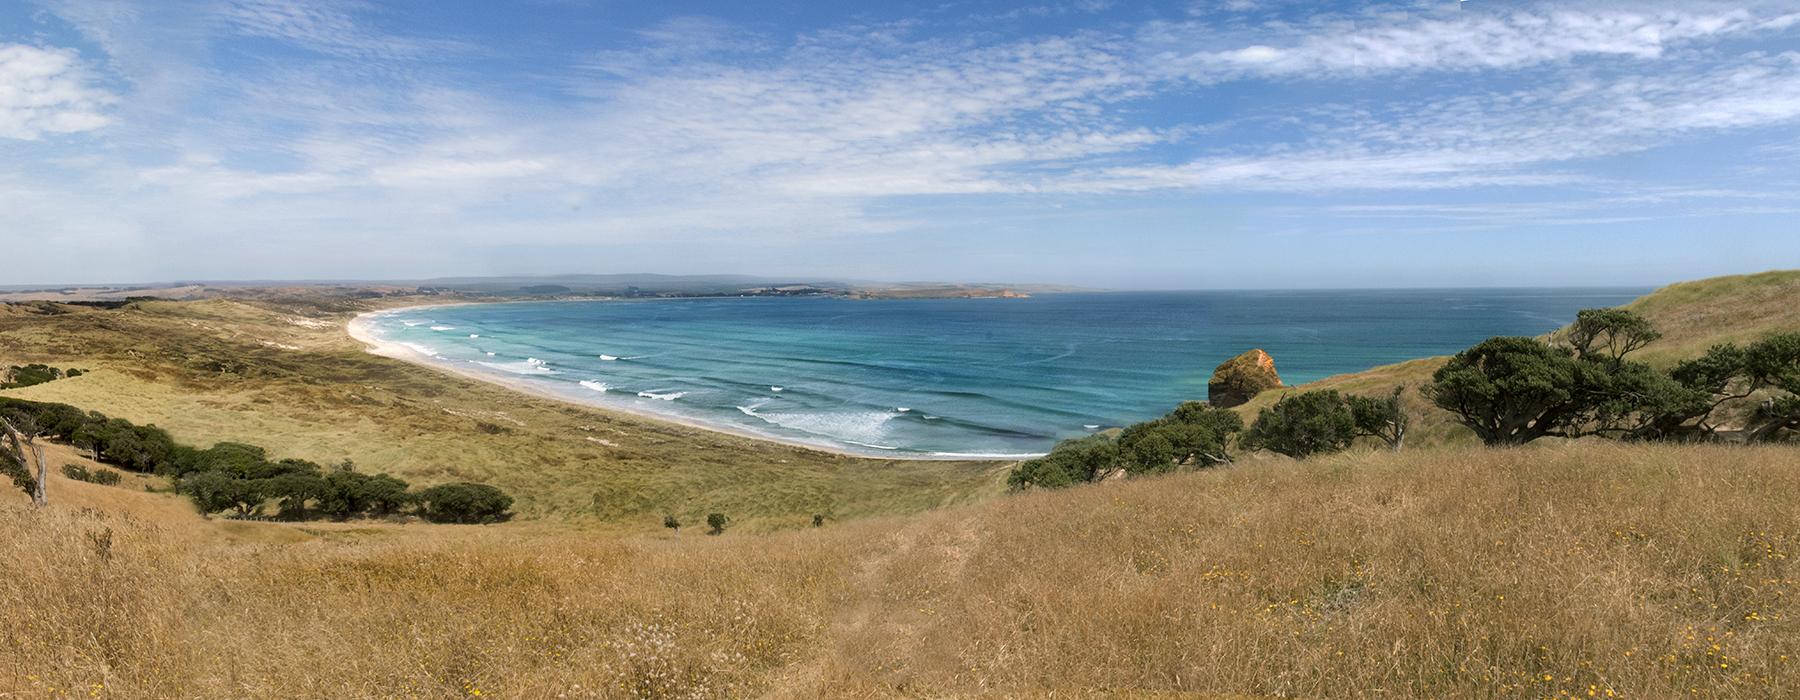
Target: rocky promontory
(1241, 378)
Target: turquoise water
(946, 377)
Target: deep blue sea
(953, 376)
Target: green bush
(1302, 425)
(464, 502)
(104, 477)
(31, 375)
(1193, 435)
(717, 521)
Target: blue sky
(1190, 144)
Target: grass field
(1640, 571)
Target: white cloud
(709, 132)
(46, 91)
(1398, 41)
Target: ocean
(951, 377)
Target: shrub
(464, 502)
(28, 375)
(1071, 462)
(1384, 418)
(349, 494)
(669, 521)
(1303, 425)
(104, 477)
(1194, 434)
(717, 521)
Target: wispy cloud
(696, 129)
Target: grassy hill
(1647, 571)
(1572, 569)
(1692, 316)
(281, 373)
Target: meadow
(1554, 570)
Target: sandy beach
(361, 329)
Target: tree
(1774, 362)
(213, 491)
(464, 502)
(818, 520)
(669, 521)
(386, 494)
(1727, 374)
(1609, 334)
(717, 521)
(1070, 462)
(1302, 425)
(1196, 433)
(1384, 419)
(1510, 390)
(19, 431)
(294, 490)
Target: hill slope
(1647, 571)
(1691, 315)
(282, 374)
(1575, 569)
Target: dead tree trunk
(22, 444)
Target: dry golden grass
(282, 374)
(1640, 571)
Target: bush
(1071, 462)
(1303, 425)
(1194, 434)
(717, 521)
(464, 502)
(349, 494)
(29, 375)
(104, 477)
(1384, 418)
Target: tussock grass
(1649, 571)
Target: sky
(1142, 145)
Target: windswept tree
(1609, 334)
(1510, 390)
(1302, 425)
(1070, 462)
(1382, 418)
(1728, 374)
(717, 522)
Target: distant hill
(515, 286)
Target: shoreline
(358, 328)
